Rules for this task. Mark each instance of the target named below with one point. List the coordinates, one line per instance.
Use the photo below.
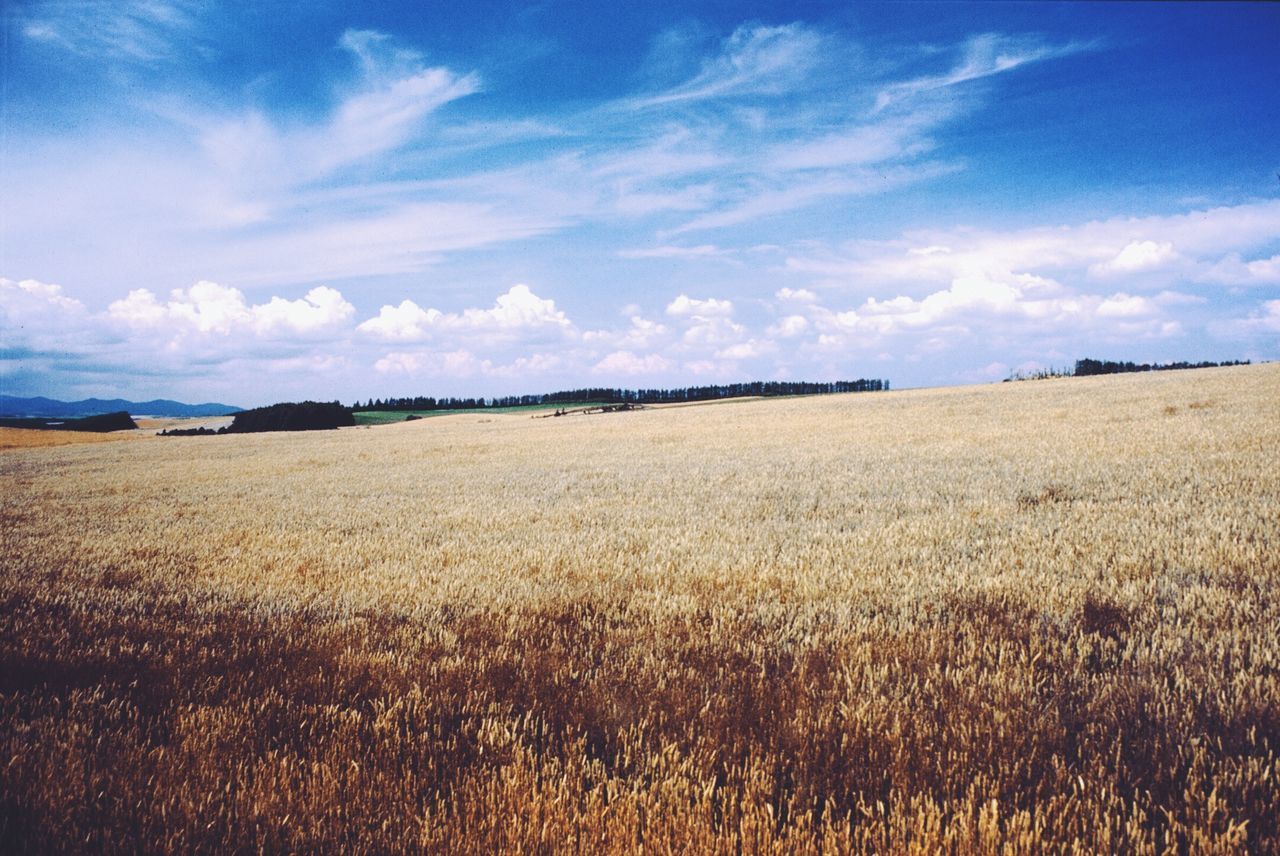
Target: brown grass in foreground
(1022, 619)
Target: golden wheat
(1036, 617)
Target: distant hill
(49, 408)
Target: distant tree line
(289, 416)
(631, 396)
(1038, 374)
(1087, 367)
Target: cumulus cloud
(24, 299)
(1140, 246)
(713, 332)
(211, 308)
(459, 363)
(517, 309)
(965, 293)
(322, 308)
(799, 295)
(1264, 321)
(685, 306)
(627, 363)
(1233, 270)
(640, 334)
(747, 350)
(1135, 257)
(38, 317)
(1021, 306)
(404, 322)
(789, 327)
(462, 363)
(1123, 305)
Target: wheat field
(1036, 617)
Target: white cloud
(143, 31)
(799, 295)
(404, 322)
(30, 296)
(1135, 257)
(856, 146)
(781, 194)
(37, 316)
(518, 309)
(462, 363)
(628, 363)
(401, 239)
(205, 307)
(1233, 270)
(708, 368)
(1178, 298)
(459, 363)
(525, 367)
(754, 60)
(1196, 235)
(747, 350)
(1121, 305)
(701, 251)
(211, 308)
(322, 308)
(713, 332)
(789, 327)
(394, 95)
(685, 306)
(996, 370)
(1265, 320)
(641, 334)
(984, 55)
(1015, 305)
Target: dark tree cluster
(192, 432)
(102, 424)
(1087, 367)
(304, 416)
(1039, 374)
(631, 396)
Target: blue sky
(260, 202)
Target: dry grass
(33, 438)
(1024, 618)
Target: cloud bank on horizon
(215, 202)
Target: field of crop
(1022, 618)
(383, 417)
(30, 438)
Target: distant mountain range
(50, 408)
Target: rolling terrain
(1020, 618)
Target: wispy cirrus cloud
(144, 31)
(383, 183)
(348, 204)
(754, 60)
(981, 56)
